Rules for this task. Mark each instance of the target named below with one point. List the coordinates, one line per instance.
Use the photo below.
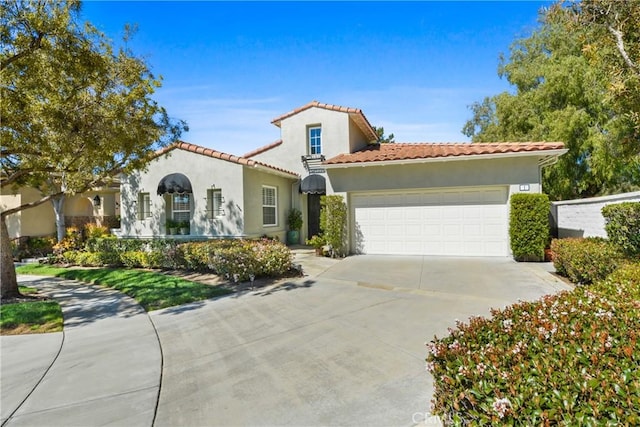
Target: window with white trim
(181, 207)
(215, 202)
(144, 206)
(315, 140)
(269, 205)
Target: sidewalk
(105, 368)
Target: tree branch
(45, 199)
(620, 45)
(36, 43)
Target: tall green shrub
(333, 222)
(623, 226)
(529, 226)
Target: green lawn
(30, 317)
(151, 290)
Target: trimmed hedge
(235, 259)
(623, 226)
(567, 359)
(529, 226)
(585, 260)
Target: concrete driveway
(345, 347)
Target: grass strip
(151, 290)
(30, 317)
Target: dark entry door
(313, 209)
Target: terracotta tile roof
(222, 156)
(356, 115)
(262, 149)
(398, 151)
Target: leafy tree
(573, 84)
(382, 138)
(75, 112)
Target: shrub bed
(570, 358)
(585, 261)
(234, 259)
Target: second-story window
(315, 140)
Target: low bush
(28, 247)
(585, 261)
(567, 359)
(72, 241)
(623, 226)
(134, 259)
(529, 226)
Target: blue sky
(230, 68)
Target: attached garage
(436, 199)
(460, 221)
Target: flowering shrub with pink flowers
(567, 359)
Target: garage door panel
(453, 222)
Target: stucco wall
(204, 173)
(454, 173)
(339, 135)
(37, 221)
(583, 217)
(254, 180)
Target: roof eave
(465, 157)
(273, 171)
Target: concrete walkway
(104, 369)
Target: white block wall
(583, 217)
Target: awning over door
(314, 184)
(174, 183)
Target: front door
(313, 214)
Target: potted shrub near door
(294, 222)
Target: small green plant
(623, 226)
(294, 219)
(529, 226)
(171, 223)
(316, 241)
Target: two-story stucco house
(432, 199)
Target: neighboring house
(100, 206)
(428, 199)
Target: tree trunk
(58, 209)
(8, 280)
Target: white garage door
(462, 221)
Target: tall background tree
(576, 80)
(382, 138)
(75, 111)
